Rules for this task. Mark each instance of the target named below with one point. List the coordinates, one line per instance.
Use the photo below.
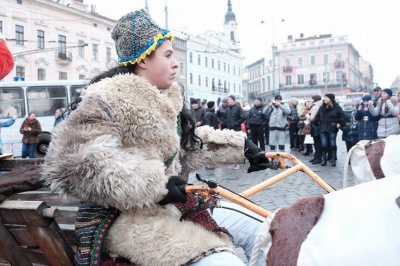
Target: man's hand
(176, 191)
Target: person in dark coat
(198, 112)
(330, 118)
(367, 123)
(222, 112)
(234, 117)
(348, 137)
(210, 117)
(255, 122)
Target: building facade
(56, 40)
(308, 66)
(214, 63)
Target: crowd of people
(312, 126)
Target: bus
(354, 95)
(41, 97)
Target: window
(239, 71)
(108, 54)
(75, 90)
(339, 56)
(199, 80)
(62, 75)
(339, 76)
(44, 100)
(326, 77)
(240, 88)
(81, 48)
(206, 82)
(19, 2)
(312, 60)
(224, 67)
(313, 79)
(300, 79)
(206, 61)
(212, 63)
(191, 78)
(199, 60)
(287, 61)
(95, 51)
(19, 34)
(20, 71)
(269, 82)
(288, 80)
(12, 101)
(326, 59)
(190, 57)
(40, 39)
(234, 87)
(62, 46)
(219, 65)
(41, 74)
(234, 70)
(81, 76)
(229, 68)
(213, 84)
(181, 68)
(300, 61)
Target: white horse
(371, 160)
(359, 225)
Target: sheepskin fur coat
(112, 151)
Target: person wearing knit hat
(331, 96)
(367, 123)
(388, 92)
(277, 114)
(387, 112)
(133, 136)
(222, 113)
(330, 119)
(350, 131)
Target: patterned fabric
(92, 224)
(136, 36)
(197, 213)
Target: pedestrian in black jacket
(234, 117)
(330, 118)
(222, 112)
(210, 117)
(198, 112)
(255, 121)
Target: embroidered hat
(136, 36)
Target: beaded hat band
(136, 36)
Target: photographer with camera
(277, 114)
(367, 123)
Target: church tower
(230, 25)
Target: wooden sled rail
(30, 235)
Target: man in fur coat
(123, 149)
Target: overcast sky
(371, 26)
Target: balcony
(287, 69)
(63, 58)
(339, 64)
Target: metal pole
(341, 86)
(273, 70)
